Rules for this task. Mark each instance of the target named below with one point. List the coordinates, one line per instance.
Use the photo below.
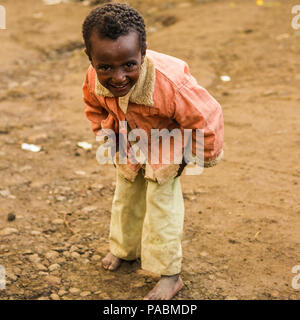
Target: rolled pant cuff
(161, 271)
(122, 255)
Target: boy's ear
(144, 53)
(85, 51)
(145, 49)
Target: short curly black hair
(113, 20)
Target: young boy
(149, 90)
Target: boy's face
(117, 62)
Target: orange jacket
(166, 96)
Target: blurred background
(242, 217)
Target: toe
(111, 267)
(114, 263)
(105, 262)
(149, 296)
(154, 294)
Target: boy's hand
(181, 168)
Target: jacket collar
(140, 93)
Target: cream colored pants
(147, 222)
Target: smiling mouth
(120, 87)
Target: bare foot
(166, 288)
(111, 262)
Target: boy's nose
(119, 77)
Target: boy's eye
(104, 68)
(130, 64)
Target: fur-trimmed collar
(140, 93)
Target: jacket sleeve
(195, 108)
(99, 117)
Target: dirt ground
(242, 219)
